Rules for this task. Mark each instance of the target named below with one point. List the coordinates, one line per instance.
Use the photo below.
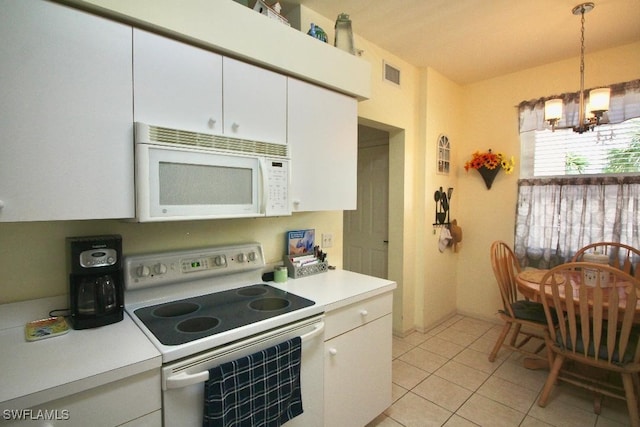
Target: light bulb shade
(553, 109)
(588, 111)
(599, 99)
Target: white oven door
(183, 381)
(184, 184)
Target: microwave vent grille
(216, 142)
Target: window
(608, 149)
(576, 189)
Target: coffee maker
(96, 294)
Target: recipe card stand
(296, 267)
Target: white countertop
(337, 288)
(32, 373)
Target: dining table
(528, 283)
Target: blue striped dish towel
(262, 389)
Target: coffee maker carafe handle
(107, 291)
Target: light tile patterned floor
(443, 378)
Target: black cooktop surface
(179, 322)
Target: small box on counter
(300, 242)
(305, 264)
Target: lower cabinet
(358, 362)
(132, 402)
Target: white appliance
(205, 307)
(183, 175)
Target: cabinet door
(176, 85)
(323, 139)
(255, 102)
(358, 374)
(66, 114)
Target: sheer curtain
(556, 217)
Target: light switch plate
(327, 240)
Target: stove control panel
(163, 268)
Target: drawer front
(109, 405)
(352, 316)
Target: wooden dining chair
(526, 317)
(595, 328)
(621, 256)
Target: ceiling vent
(390, 73)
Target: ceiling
(473, 40)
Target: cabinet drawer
(352, 316)
(112, 404)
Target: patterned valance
(623, 105)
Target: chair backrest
(596, 316)
(621, 256)
(505, 268)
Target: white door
(366, 228)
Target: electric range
(191, 301)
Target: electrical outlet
(327, 240)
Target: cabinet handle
(333, 351)
(363, 313)
(212, 123)
(1, 204)
(234, 127)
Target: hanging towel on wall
(262, 389)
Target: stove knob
(220, 261)
(160, 268)
(240, 257)
(252, 256)
(143, 271)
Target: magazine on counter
(300, 241)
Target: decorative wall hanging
(488, 164)
(442, 206)
(444, 153)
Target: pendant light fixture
(588, 116)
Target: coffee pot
(96, 296)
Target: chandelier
(590, 115)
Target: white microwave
(183, 175)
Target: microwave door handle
(263, 178)
(183, 379)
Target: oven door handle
(184, 379)
(316, 331)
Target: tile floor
(443, 378)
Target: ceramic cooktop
(179, 322)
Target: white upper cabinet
(255, 102)
(323, 136)
(66, 149)
(176, 85)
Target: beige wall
(491, 121)
(32, 254)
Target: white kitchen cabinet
(358, 362)
(176, 84)
(184, 87)
(254, 102)
(323, 139)
(134, 402)
(66, 114)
